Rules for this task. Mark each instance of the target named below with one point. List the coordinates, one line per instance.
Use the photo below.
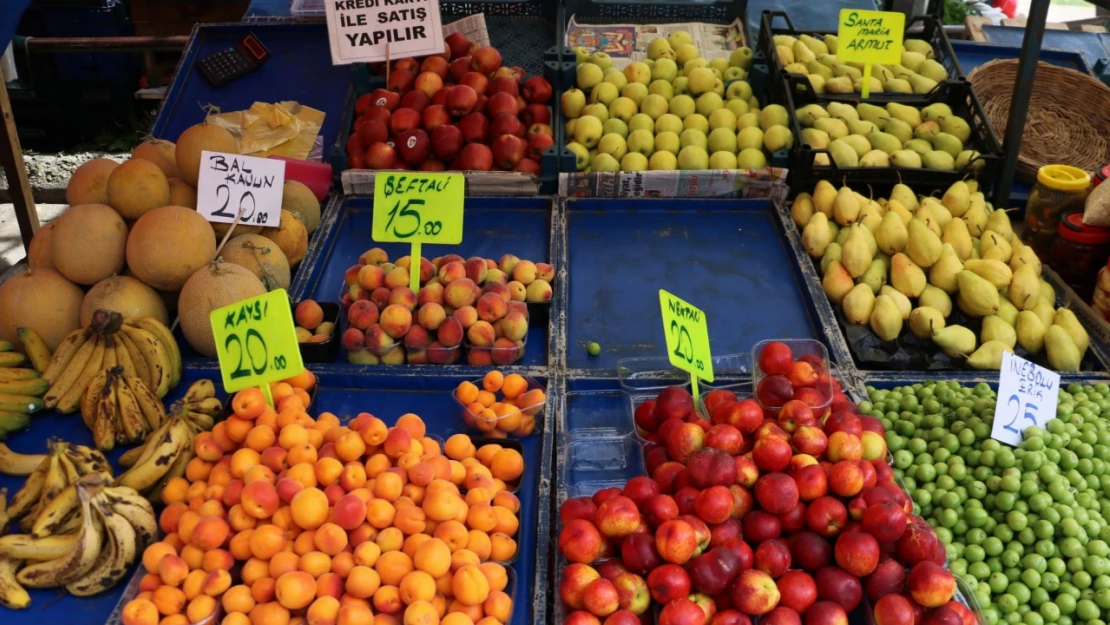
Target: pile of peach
(514, 413)
(476, 300)
(310, 324)
(332, 524)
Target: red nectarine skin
(931, 584)
(893, 609)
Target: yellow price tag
(870, 37)
(418, 207)
(256, 342)
(687, 335)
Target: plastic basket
(801, 348)
(474, 422)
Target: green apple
(635, 91)
(654, 105)
(693, 64)
(722, 140)
(685, 52)
(751, 159)
(665, 69)
(719, 87)
(581, 155)
(668, 122)
(741, 57)
(661, 87)
(697, 121)
(660, 48)
(634, 161)
(682, 105)
(777, 138)
(692, 136)
(571, 123)
(581, 55)
(667, 142)
(649, 62)
(642, 141)
(596, 109)
(678, 38)
(612, 144)
(572, 102)
(722, 160)
(753, 103)
(739, 90)
(602, 60)
(681, 85)
(640, 121)
(709, 102)
(663, 161)
(738, 107)
(723, 118)
(604, 92)
(605, 162)
(731, 74)
(588, 131)
(693, 157)
(748, 120)
(622, 109)
(719, 64)
(699, 80)
(638, 72)
(614, 125)
(773, 115)
(749, 138)
(615, 76)
(588, 75)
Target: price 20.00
(684, 346)
(251, 354)
(246, 200)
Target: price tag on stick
(256, 342)
(870, 37)
(1027, 396)
(418, 208)
(247, 187)
(687, 335)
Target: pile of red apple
(460, 110)
(790, 518)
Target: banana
(137, 510)
(151, 444)
(71, 351)
(67, 376)
(90, 397)
(55, 513)
(70, 469)
(110, 361)
(123, 356)
(165, 336)
(74, 564)
(131, 417)
(27, 547)
(153, 410)
(12, 359)
(104, 425)
(157, 358)
(55, 481)
(31, 491)
(68, 401)
(88, 461)
(211, 407)
(5, 519)
(127, 460)
(21, 404)
(6, 346)
(13, 463)
(12, 595)
(176, 441)
(35, 387)
(136, 357)
(200, 391)
(177, 469)
(18, 373)
(115, 558)
(35, 348)
(202, 421)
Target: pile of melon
(133, 241)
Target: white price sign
(1027, 396)
(247, 186)
(360, 30)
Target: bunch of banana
(161, 458)
(21, 386)
(120, 408)
(47, 502)
(114, 524)
(143, 347)
(199, 407)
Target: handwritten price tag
(870, 36)
(1027, 396)
(418, 208)
(256, 342)
(687, 335)
(247, 186)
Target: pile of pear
(907, 260)
(894, 135)
(816, 58)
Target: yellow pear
(1024, 255)
(898, 208)
(976, 218)
(933, 297)
(1045, 311)
(943, 272)
(904, 195)
(1025, 288)
(837, 283)
(955, 340)
(926, 216)
(855, 253)
(994, 271)
(1006, 310)
(875, 276)
(816, 236)
(995, 329)
(1030, 331)
(956, 234)
(823, 195)
(802, 209)
(988, 356)
(1063, 355)
(992, 245)
(886, 319)
(870, 216)
(922, 245)
(957, 199)
(846, 207)
(999, 221)
(891, 235)
(1067, 320)
(1047, 292)
(942, 214)
(977, 297)
(858, 304)
(924, 320)
(906, 276)
(903, 302)
(832, 252)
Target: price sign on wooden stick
(870, 37)
(256, 342)
(418, 208)
(687, 335)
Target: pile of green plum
(1026, 528)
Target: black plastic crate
(958, 94)
(922, 27)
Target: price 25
(1030, 414)
(684, 346)
(246, 199)
(409, 213)
(253, 357)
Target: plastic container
(1060, 189)
(385, 354)
(307, 8)
(482, 441)
(505, 423)
(1079, 253)
(595, 415)
(328, 350)
(811, 351)
(590, 465)
(499, 355)
(649, 375)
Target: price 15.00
(407, 211)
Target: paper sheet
(628, 43)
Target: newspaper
(769, 182)
(473, 26)
(627, 43)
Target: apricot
(260, 499)
(479, 543)
(472, 612)
(367, 554)
(470, 586)
(331, 539)
(169, 600)
(353, 476)
(217, 559)
(310, 508)
(417, 586)
(295, 590)
(440, 505)
(272, 613)
(380, 513)
(410, 520)
(193, 586)
(323, 611)
(153, 555)
(216, 583)
(305, 542)
(456, 618)
(172, 570)
(463, 557)
(262, 590)
(199, 608)
(235, 618)
(356, 615)
(139, 612)
(507, 500)
(507, 465)
(503, 547)
(254, 569)
(498, 605)
(363, 582)
(328, 471)
(210, 533)
(421, 613)
(388, 600)
(282, 563)
(397, 442)
(238, 599)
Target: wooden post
(11, 158)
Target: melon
(160, 152)
(168, 244)
(40, 254)
(298, 199)
(125, 295)
(181, 194)
(195, 140)
(242, 228)
(137, 186)
(291, 236)
(89, 182)
(89, 243)
(261, 256)
(42, 300)
(213, 286)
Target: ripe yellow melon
(160, 152)
(261, 256)
(297, 198)
(213, 286)
(125, 295)
(89, 243)
(221, 230)
(40, 254)
(291, 236)
(89, 183)
(196, 139)
(181, 194)
(42, 300)
(137, 186)
(168, 244)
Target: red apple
(401, 81)
(714, 504)
(810, 551)
(622, 617)
(843, 422)
(810, 439)
(501, 104)
(773, 557)
(429, 82)
(725, 438)
(776, 492)
(685, 496)
(893, 609)
(794, 414)
(413, 146)
(826, 613)
(582, 617)
(416, 100)
(435, 116)
(682, 612)
(458, 44)
(742, 501)
(475, 127)
(755, 593)
(730, 617)
(508, 150)
(826, 516)
(577, 508)
(836, 584)
(701, 531)
(638, 553)
(506, 124)
(743, 552)
(528, 166)
(536, 89)
(798, 591)
(478, 82)
(381, 156)
(846, 478)
(461, 100)
(645, 416)
(666, 473)
(485, 60)
(535, 114)
(476, 157)
(794, 519)
(930, 584)
(447, 141)
(720, 533)
(775, 358)
(633, 592)
(502, 85)
(372, 132)
(404, 119)
(713, 398)
(668, 582)
(380, 113)
(781, 615)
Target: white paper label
(230, 183)
(360, 29)
(1027, 395)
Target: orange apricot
(388, 600)
(315, 563)
(453, 534)
(492, 381)
(470, 586)
(139, 612)
(193, 586)
(350, 446)
(466, 393)
(363, 582)
(459, 446)
(169, 600)
(266, 541)
(282, 563)
(254, 570)
(262, 590)
(217, 559)
(410, 520)
(367, 554)
(304, 473)
(296, 590)
(272, 613)
(330, 538)
(514, 386)
(238, 599)
(498, 605)
(433, 557)
(323, 611)
(503, 547)
(417, 586)
(310, 508)
(421, 613)
(393, 566)
(479, 543)
(175, 491)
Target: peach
(545, 272)
(450, 332)
(514, 326)
(505, 352)
(396, 278)
(498, 288)
(395, 356)
(396, 320)
(308, 314)
(524, 272)
(538, 291)
(415, 356)
(467, 316)
(451, 271)
(431, 314)
(370, 277)
(507, 262)
(403, 296)
(476, 269)
(362, 314)
(460, 292)
(481, 334)
(374, 256)
(517, 291)
(432, 292)
(378, 341)
(260, 499)
(416, 338)
(380, 297)
(350, 277)
(492, 307)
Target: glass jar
(1078, 253)
(1060, 189)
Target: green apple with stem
(588, 131)
(622, 109)
(613, 145)
(572, 102)
(602, 60)
(738, 90)
(581, 155)
(581, 55)
(604, 93)
(588, 75)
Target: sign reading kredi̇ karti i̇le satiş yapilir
(369, 31)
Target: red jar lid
(1072, 228)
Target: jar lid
(1072, 228)
(1063, 178)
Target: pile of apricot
(513, 412)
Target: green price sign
(687, 335)
(256, 342)
(417, 208)
(870, 37)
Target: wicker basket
(1068, 120)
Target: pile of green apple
(671, 111)
(816, 58)
(894, 135)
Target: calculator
(231, 63)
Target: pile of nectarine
(514, 413)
